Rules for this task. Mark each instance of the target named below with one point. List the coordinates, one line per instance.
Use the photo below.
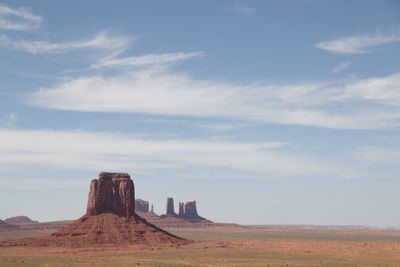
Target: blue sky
(265, 112)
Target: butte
(110, 219)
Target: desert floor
(226, 247)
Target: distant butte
(7, 227)
(142, 205)
(187, 216)
(19, 220)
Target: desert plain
(226, 246)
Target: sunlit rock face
(112, 193)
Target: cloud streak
(362, 104)
(340, 67)
(358, 44)
(149, 59)
(243, 9)
(102, 41)
(20, 19)
(82, 150)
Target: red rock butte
(110, 219)
(112, 193)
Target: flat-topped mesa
(112, 193)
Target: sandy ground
(226, 248)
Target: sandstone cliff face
(112, 193)
(170, 206)
(142, 205)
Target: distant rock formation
(187, 211)
(142, 205)
(191, 210)
(170, 207)
(181, 210)
(7, 227)
(110, 219)
(112, 193)
(19, 220)
(152, 209)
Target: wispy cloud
(341, 66)
(377, 90)
(19, 19)
(8, 119)
(358, 44)
(242, 8)
(102, 41)
(41, 183)
(374, 154)
(221, 127)
(149, 59)
(163, 91)
(81, 150)
(12, 117)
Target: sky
(264, 112)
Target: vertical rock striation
(112, 193)
(191, 210)
(170, 206)
(181, 210)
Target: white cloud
(243, 8)
(20, 19)
(109, 151)
(341, 66)
(379, 90)
(104, 41)
(160, 91)
(149, 59)
(374, 154)
(25, 183)
(358, 44)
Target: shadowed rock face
(187, 211)
(191, 210)
(170, 206)
(181, 210)
(19, 220)
(142, 205)
(112, 193)
(4, 225)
